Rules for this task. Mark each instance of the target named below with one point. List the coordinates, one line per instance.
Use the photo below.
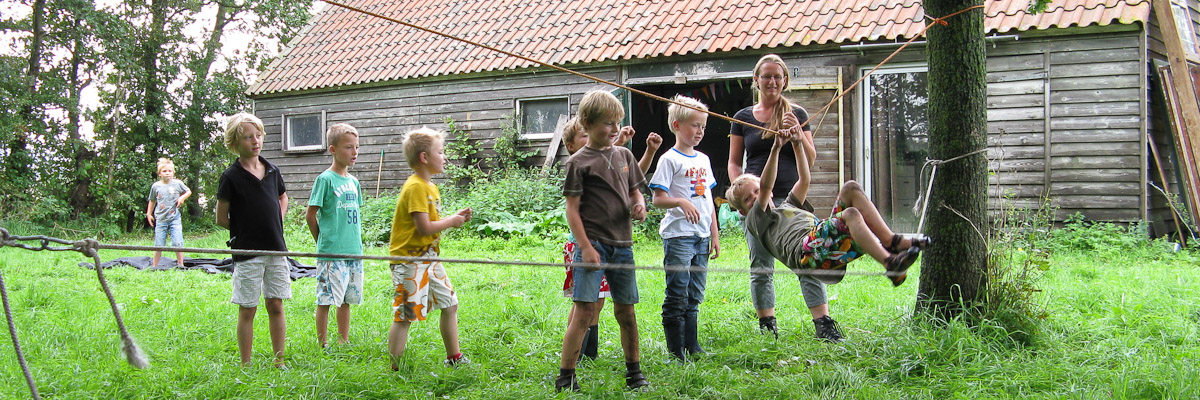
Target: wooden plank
(1016, 165)
(1095, 96)
(1016, 139)
(1014, 63)
(1095, 188)
(1102, 41)
(1015, 191)
(1015, 101)
(1097, 148)
(1102, 122)
(1016, 127)
(1096, 174)
(555, 142)
(1187, 164)
(1094, 135)
(1098, 56)
(1090, 202)
(1014, 87)
(1015, 114)
(1095, 162)
(1010, 76)
(1086, 70)
(1095, 82)
(1099, 214)
(1096, 109)
(1015, 152)
(1015, 178)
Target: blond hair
(731, 194)
(335, 133)
(164, 162)
(676, 112)
(784, 105)
(572, 130)
(233, 129)
(420, 141)
(598, 106)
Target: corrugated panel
(341, 47)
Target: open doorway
(723, 97)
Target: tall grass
(1119, 326)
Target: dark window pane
(899, 143)
(541, 116)
(304, 130)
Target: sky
(237, 38)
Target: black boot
(690, 340)
(566, 380)
(673, 330)
(827, 330)
(767, 324)
(590, 343)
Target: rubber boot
(673, 330)
(590, 346)
(690, 340)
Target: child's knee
(851, 215)
(851, 187)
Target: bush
(512, 202)
(1105, 237)
(377, 213)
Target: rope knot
(87, 247)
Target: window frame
(285, 133)
(862, 154)
(520, 108)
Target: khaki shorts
(263, 276)
(420, 286)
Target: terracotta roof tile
(339, 47)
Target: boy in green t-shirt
(333, 218)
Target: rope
(12, 332)
(88, 247)
(924, 199)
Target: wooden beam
(555, 143)
(1181, 80)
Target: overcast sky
(237, 38)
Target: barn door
(895, 142)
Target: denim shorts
(622, 282)
(173, 227)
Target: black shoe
(897, 264)
(673, 330)
(566, 383)
(827, 329)
(634, 380)
(919, 241)
(691, 343)
(767, 324)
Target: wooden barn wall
(814, 81)
(1064, 122)
(382, 115)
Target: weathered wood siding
(382, 115)
(1159, 130)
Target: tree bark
(954, 267)
(79, 195)
(17, 163)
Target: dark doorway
(724, 97)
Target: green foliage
(463, 153)
(1019, 256)
(468, 160)
(377, 213)
(648, 228)
(508, 146)
(1104, 238)
(1037, 6)
(511, 202)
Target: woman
(776, 113)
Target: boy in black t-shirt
(251, 203)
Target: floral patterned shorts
(828, 244)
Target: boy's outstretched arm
(425, 227)
(653, 142)
(767, 182)
(801, 148)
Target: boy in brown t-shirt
(602, 197)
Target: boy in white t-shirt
(683, 185)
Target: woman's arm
(737, 150)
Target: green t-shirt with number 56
(339, 198)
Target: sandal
(634, 380)
(897, 264)
(920, 241)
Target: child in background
(805, 243)
(575, 138)
(682, 185)
(167, 195)
(334, 221)
(602, 194)
(416, 230)
(251, 203)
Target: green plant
(1019, 255)
(463, 154)
(511, 202)
(507, 147)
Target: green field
(1118, 324)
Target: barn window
(895, 141)
(1183, 23)
(304, 132)
(539, 117)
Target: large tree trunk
(953, 269)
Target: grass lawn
(1118, 325)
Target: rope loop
(87, 247)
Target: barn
(1076, 107)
